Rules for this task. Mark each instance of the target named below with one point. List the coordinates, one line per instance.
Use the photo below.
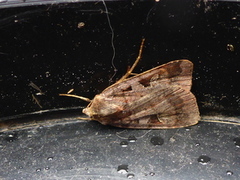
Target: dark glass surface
(68, 46)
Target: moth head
(101, 107)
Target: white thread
(112, 38)
(118, 134)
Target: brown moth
(159, 98)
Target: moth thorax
(101, 107)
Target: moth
(159, 98)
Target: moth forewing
(178, 72)
(159, 98)
(155, 111)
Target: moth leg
(129, 72)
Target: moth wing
(178, 72)
(164, 108)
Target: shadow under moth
(159, 98)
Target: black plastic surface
(89, 150)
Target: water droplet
(11, 137)
(122, 169)
(197, 144)
(203, 159)
(40, 127)
(229, 173)
(124, 143)
(81, 25)
(38, 170)
(50, 158)
(130, 176)
(29, 135)
(47, 74)
(157, 140)
(132, 139)
(151, 173)
(47, 168)
(172, 140)
(237, 142)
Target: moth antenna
(75, 96)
